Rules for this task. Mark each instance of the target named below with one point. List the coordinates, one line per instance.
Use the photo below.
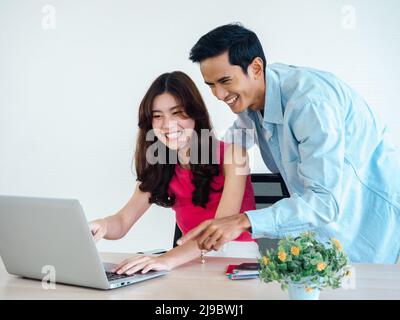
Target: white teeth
(232, 100)
(173, 135)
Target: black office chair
(268, 189)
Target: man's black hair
(242, 45)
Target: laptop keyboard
(114, 276)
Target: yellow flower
(282, 256)
(295, 251)
(308, 289)
(321, 266)
(265, 260)
(337, 244)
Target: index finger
(194, 233)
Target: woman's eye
(156, 116)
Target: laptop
(38, 235)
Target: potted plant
(305, 266)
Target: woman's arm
(236, 170)
(172, 259)
(116, 226)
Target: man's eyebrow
(170, 109)
(224, 78)
(220, 80)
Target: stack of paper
(243, 271)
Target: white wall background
(69, 94)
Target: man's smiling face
(230, 84)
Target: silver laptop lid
(37, 234)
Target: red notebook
(230, 269)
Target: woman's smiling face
(172, 126)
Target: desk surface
(198, 282)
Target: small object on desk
(245, 272)
(234, 272)
(248, 266)
(235, 276)
(230, 268)
(151, 252)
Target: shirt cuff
(262, 224)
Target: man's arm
(212, 234)
(319, 129)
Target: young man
(334, 153)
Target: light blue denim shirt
(336, 156)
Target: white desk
(198, 282)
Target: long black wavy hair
(155, 178)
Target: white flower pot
(300, 291)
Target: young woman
(180, 164)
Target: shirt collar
(273, 103)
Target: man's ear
(256, 67)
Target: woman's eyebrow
(170, 109)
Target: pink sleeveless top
(188, 216)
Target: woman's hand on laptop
(144, 263)
(98, 228)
